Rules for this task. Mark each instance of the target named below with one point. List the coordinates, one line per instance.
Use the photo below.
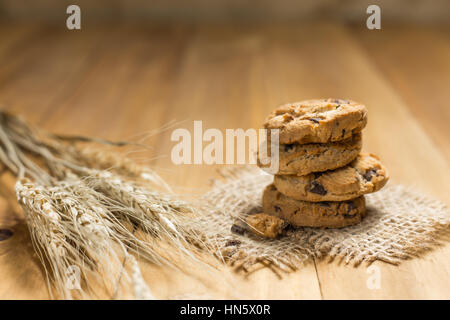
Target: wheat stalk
(85, 208)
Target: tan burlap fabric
(400, 224)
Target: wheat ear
(48, 235)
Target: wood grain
(410, 66)
(118, 81)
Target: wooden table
(115, 81)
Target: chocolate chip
(315, 120)
(317, 188)
(277, 209)
(230, 243)
(288, 147)
(350, 206)
(237, 229)
(343, 132)
(368, 175)
(288, 227)
(296, 211)
(317, 174)
(5, 234)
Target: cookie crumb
(264, 225)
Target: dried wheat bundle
(91, 209)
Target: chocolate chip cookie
(317, 121)
(313, 214)
(363, 175)
(302, 159)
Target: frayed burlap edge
(401, 223)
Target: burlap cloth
(400, 223)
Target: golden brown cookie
(317, 121)
(302, 159)
(363, 175)
(264, 225)
(313, 214)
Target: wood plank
(14, 43)
(415, 60)
(214, 85)
(40, 77)
(420, 278)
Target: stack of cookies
(322, 176)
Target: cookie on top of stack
(323, 175)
